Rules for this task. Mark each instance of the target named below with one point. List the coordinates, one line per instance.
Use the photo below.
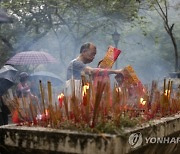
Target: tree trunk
(175, 52)
(164, 15)
(170, 33)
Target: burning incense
(85, 101)
(95, 103)
(61, 98)
(66, 107)
(74, 102)
(33, 110)
(153, 88)
(24, 106)
(164, 85)
(49, 93)
(42, 96)
(100, 89)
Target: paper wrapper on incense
(130, 76)
(132, 81)
(110, 57)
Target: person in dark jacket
(4, 112)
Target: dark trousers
(3, 118)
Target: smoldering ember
(89, 77)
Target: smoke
(138, 50)
(142, 53)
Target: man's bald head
(86, 46)
(88, 52)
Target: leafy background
(61, 26)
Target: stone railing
(158, 136)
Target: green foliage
(156, 23)
(64, 25)
(77, 19)
(109, 126)
(106, 127)
(128, 122)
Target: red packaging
(110, 57)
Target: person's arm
(90, 70)
(23, 89)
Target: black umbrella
(7, 78)
(46, 76)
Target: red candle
(61, 98)
(142, 103)
(84, 94)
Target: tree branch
(91, 30)
(165, 3)
(30, 43)
(72, 33)
(7, 43)
(160, 8)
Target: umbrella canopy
(45, 76)
(7, 78)
(5, 85)
(4, 17)
(31, 57)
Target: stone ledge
(65, 141)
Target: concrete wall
(22, 139)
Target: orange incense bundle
(110, 57)
(130, 76)
(131, 79)
(15, 116)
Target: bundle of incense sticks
(97, 104)
(130, 75)
(131, 79)
(98, 96)
(74, 102)
(166, 98)
(116, 99)
(42, 96)
(110, 57)
(152, 93)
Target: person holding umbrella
(7, 79)
(23, 89)
(4, 112)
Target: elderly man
(78, 65)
